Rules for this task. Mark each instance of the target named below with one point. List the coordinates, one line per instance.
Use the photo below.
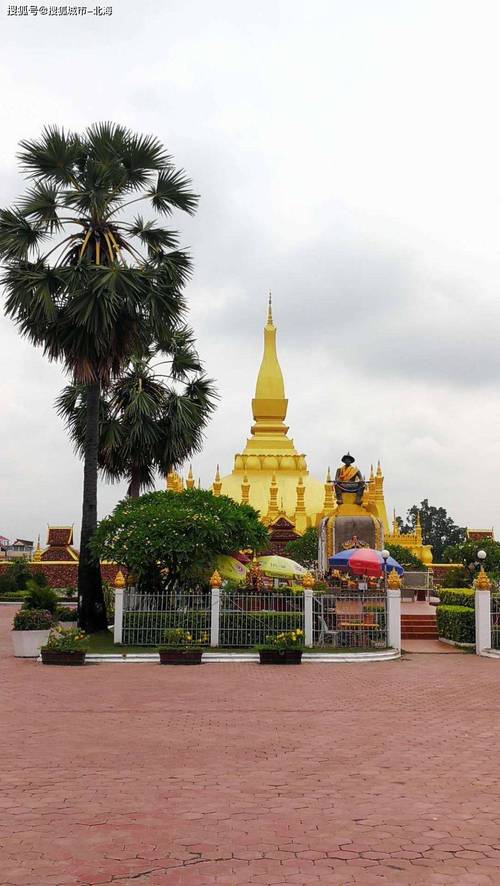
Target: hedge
(457, 597)
(456, 623)
(235, 628)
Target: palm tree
(87, 282)
(146, 426)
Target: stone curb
(221, 657)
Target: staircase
(419, 627)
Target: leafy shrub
(109, 601)
(66, 640)
(180, 638)
(33, 620)
(39, 579)
(458, 577)
(457, 597)
(236, 628)
(8, 584)
(456, 623)
(66, 614)
(40, 598)
(20, 572)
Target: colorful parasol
(364, 561)
(280, 567)
(231, 568)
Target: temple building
(272, 475)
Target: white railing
(243, 619)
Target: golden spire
(418, 529)
(379, 470)
(372, 475)
(190, 478)
(217, 484)
(245, 491)
(37, 556)
(270, 310)
(273, 499)
(300, 490)
(395, 527)
(329, 499)
(269, 404)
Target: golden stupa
(272, 476)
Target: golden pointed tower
(273, 511)
(190, 478)
(37, 556)
(329, 502)
(269, 451)
(217, 484)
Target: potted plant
(30, 631)
(284, 648)
(178, 648)
(65, 646)
(67, 617)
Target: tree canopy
(169, 538)
(405, 557)
(466, 554)
(438, 529)
(304, 549)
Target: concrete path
(224, 774)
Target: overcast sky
(347, 157)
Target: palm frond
(173, 191)
(42, 202)
(51, 158)
(18, 236)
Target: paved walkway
(240, 774)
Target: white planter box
(27, 644)
(68, 624)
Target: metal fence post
(215, 617)
(483, 619)
(308, 617)
(118, 626)
(394, 618)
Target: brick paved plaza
(235, 773)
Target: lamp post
(481, 556)
(385, 557)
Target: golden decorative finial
(307, 580)
(328, 475)
(393, 580)
(215, 580)
(482, 582)
(270, 310)
(379, 470)
(119, 581)
(190, 478)
(372, 475)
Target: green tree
(466, 554)
(88, 284)
(169, 538)
(405, 557)
(438, 529)
(145, 425)
(304, 549)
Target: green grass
(102, 643)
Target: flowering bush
(286, 640)
(33, 620)
(66, 640)
(177, 637)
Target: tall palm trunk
(92, 610)
(134, 489)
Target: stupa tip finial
(328, 475)
(270, 310)
(190, 472)
(217, 474)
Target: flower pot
(56, 657)
(26, 644)
(180, 656)
(68, 624)
(280, 656)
